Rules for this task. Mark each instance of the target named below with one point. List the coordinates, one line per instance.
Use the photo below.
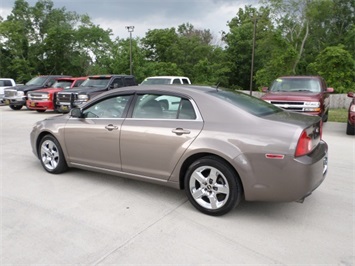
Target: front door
(94, 140)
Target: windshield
(37, 81)
(91, 82)
(62, 84)
(246, 102)
(295, 84)
(153, 81)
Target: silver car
(219, 146)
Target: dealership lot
(81, 217)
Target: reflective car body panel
(257, 139)
(350, 129)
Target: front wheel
(16, 107)
(51, 155)
(325, 116)
(212, 186)
(40, 111)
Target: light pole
(130, 30)
(252, 56)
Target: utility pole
(252, 57)
(130, 30)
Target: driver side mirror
(76, 112)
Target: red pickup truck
(305, 94)
(44, 99)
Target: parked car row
(61, 93)
(304, 94)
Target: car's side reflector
(274, 156)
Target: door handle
(111, 127)
(179, 131)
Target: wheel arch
(197, 156)
(39, 139)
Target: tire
(212, 186)
(51, 155)
(325, 116)
(40, 111)
(16, 107)
(350, 129)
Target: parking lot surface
(82, 217)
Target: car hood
(85, 89)
(50, 90)
(291, 96)
(26, 88)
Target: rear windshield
(250, 104)
(296, 84)
(153, 81)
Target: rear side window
(246, 102)
(161, 106)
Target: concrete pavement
(87, 218)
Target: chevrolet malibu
(219, 146)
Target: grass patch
(338, 115)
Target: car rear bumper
(290, 179)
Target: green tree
(336, 66)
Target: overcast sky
(149, 14)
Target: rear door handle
(180, 131)
(111, 127)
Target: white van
(166, 80)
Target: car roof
(299, 77)
(182, 89)
(165, 77)
(109, 76)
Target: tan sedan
(220, 146)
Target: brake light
(304, 145)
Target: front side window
(160, 106)
(113, 107)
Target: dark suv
(305, 94)
(90, 88)
(16, 96)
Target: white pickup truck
(166, 80)
(5, 83)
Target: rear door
(156, 134)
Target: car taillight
(304, 145)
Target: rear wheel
(51, 155)
(212, 186)
(350, 129)
(16, 107)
